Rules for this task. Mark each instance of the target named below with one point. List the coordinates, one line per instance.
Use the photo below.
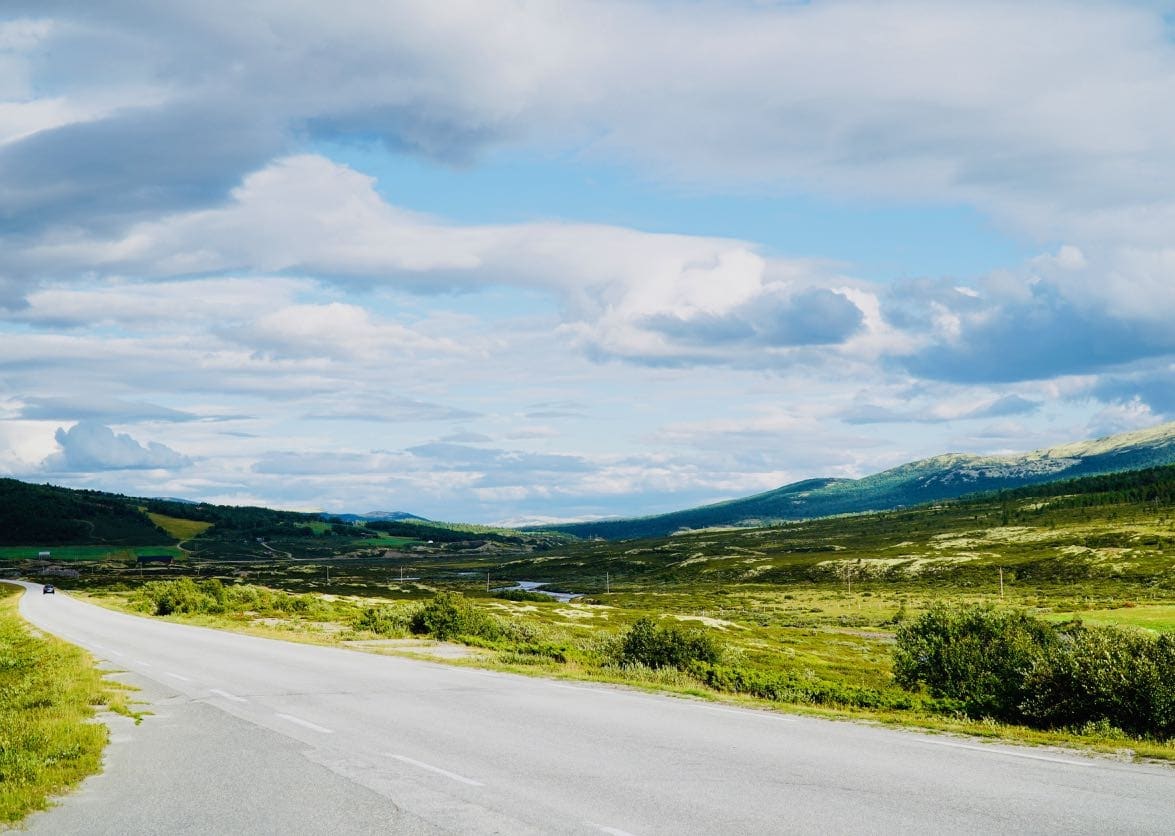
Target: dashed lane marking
(306, 723)
(226, 695)
(611, 831)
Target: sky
(507, 261)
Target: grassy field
(72, 553)
(49, 691)
(806, 612)
(178, 528)
(391, 542)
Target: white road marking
(437, 770)
(993, 751)
(763, 715)
(226, 695)
(177, 676)
(306, 723)
(116, 652)
(141, 662)
(612, 831)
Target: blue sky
(878, 240)
(491, 262)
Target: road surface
(252, 735)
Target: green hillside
(97, 524)
(49, 516)
(928, 480)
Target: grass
(178, 528)
(73, 553)
(815, 602)
(49, 692)
(1160, 618)
(392, 542)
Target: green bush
(450, 614)
(186, 596)
(977, 656)
(1013, 667)
(1096, 675)
(523, 595)
(384, 621)
(648, 644)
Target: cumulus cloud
(1151, 384)
(894, 98)
(1060, 314)
(644, 296)
(169, 232)
(89, 446)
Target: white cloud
(1030, 110)
(627, 293)
(89, 446)
(147, 146)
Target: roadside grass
(178, 528)
(764, 633)
(49, 693)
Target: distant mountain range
(375, 516)
(940, 477)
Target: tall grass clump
(186, 596)
(1013, 667)
(385, 620)
(48, 693)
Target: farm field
(84, 553)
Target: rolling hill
(941, 477)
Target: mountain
(940, 477)
(375, 516)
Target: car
(48, 589)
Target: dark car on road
(48, 589)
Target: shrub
(523, 595)
(450, 614)
(384, 621)
(648, 644)
(186, 596)
(977, 656)
(1096, 675)
(1011, 666)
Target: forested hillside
(51, 516)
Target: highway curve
(253, 735)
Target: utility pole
(1001, 581)
(607, 581)
(487, 581)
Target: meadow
(803, 614)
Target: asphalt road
(252, 735)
